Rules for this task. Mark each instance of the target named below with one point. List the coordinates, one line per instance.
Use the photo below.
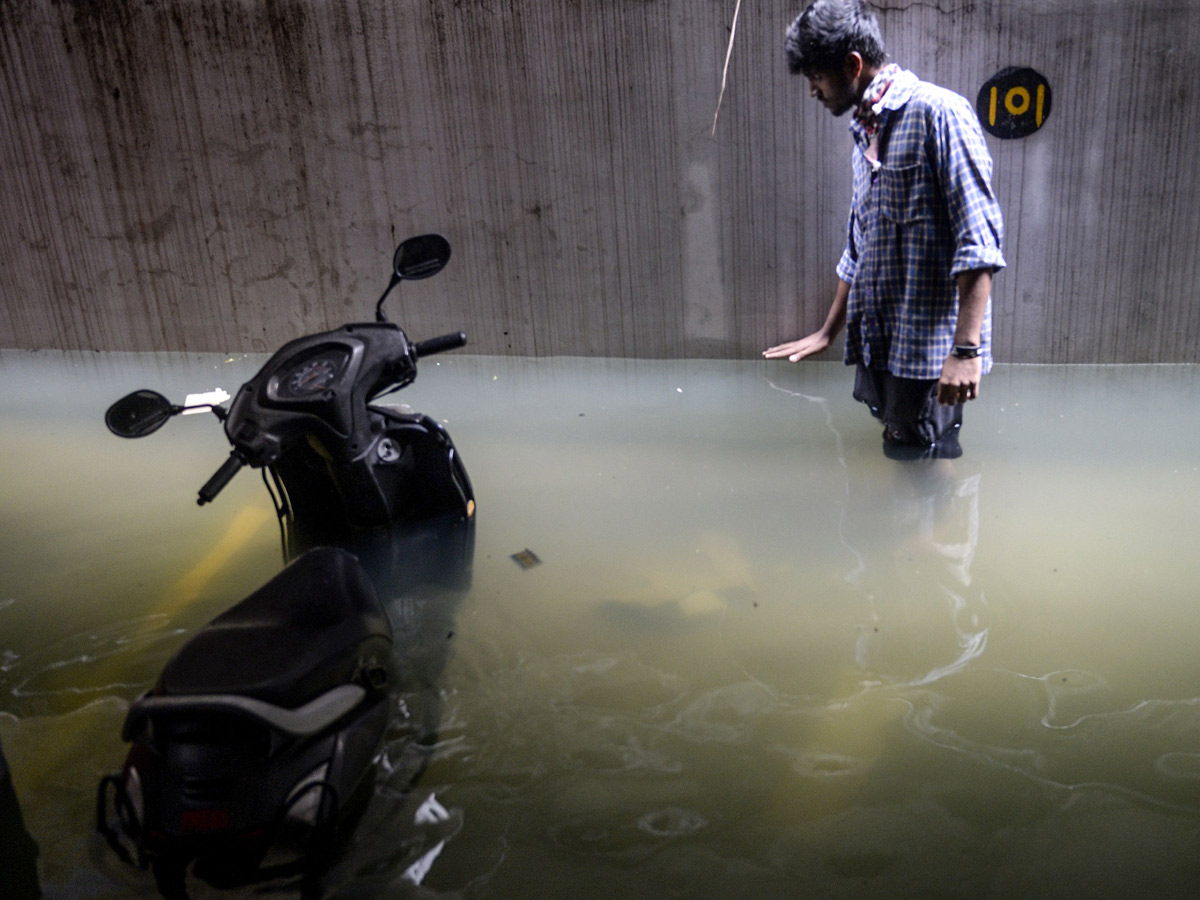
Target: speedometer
(312, 376)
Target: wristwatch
(966, 351)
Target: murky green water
(757, 659)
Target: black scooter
(253, 753)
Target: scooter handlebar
(440, 344)
(220, 478)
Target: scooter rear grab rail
(315, 716)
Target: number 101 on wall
(1014, 103)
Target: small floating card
(526, 559)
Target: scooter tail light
(133, 794)
(304, 802)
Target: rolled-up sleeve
(845, 267)
(966, 181)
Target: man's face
(834, 89)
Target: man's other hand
(960, 380)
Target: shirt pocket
(906, 194)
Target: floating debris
(526, 559)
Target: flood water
(757, 659)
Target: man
(923, 241)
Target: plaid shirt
(918, 217)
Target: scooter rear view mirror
(421, 256)
(138, 414)
(418, 257)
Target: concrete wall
(227, 174)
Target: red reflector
(204, 820)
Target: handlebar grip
(440, 344)
(220, 478)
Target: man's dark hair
(828, 31)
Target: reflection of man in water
(923, 241)
(927, 616)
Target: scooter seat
(316, 625)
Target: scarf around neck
(865, 115)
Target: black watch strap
(966, 351)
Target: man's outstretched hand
(798, 350)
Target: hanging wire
(728, 56)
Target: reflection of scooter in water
(18, 851)
(253, 752)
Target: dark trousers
(916, 426)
